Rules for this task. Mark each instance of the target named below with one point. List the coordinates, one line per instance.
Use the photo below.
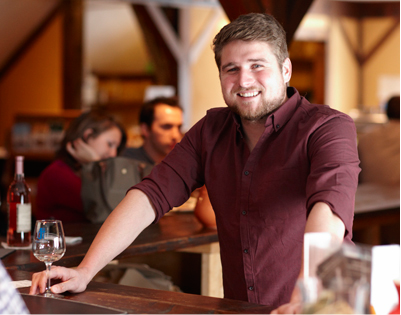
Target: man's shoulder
(216, 121)
(322, 112)
(219, 114)
(312, 112)
(218, 117)
(218, 111)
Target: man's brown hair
(253, 27)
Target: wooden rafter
(363, 57)
(234, 8)
(33, 36)
(364, 9)
(382, 40)
(73, 54)
(164, 61)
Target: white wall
(113, 40)
(384, 64)
(341, 70)
(206, 91)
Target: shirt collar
(283, 114)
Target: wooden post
(73, 51)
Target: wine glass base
(53, 295)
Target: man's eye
(232, 69)
(256, 66)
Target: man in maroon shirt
(275, 167)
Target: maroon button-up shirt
(262, 198)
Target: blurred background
(59, 57)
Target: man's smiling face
(252, 81)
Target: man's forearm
(322, 219)
(124, 224)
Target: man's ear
(87, 133)
(145, 130)
(287, 70)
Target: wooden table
(177, 231)
(134, 300)
(376, 206)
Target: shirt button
(277, 126)
(250, 288)
(244, 212)
(246, 173)
(245, 251)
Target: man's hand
(82, 152)
(294, 306)
(320, 219)
(73, 280)
(289, 308)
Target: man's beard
(261, 112)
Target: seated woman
(90, 137)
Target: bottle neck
(19, 176)
(19, 167)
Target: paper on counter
(22, 283)
(4, 244)
(71, 240)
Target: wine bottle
(19, 208)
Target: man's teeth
(248, 94)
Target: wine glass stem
(48, 268)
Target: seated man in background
(160, 120)
(379, 149)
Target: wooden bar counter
(377, 210)
(133, 300)
(175, 231)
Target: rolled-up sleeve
(172, 181)
(334, 168)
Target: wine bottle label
(23, 217)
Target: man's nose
(245, 79)
(177, 135)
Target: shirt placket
(247, 216)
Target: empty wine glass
(48, 246)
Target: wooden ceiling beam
(164, 62)
(235, 8)
(364, 9)
(289, 13)
(73, 54)
(30, 40)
